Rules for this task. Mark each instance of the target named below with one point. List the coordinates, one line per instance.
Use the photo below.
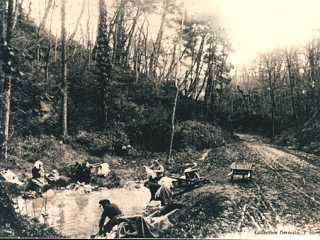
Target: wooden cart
(241, 169)
(190, 179)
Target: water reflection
(75, 214)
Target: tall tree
(271, 67)
(103, 63)
(289, 57)
(130, 36)
(6, 28)
(173, 118)
(64, 76)
(168, 6)
(119, 35)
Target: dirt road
(286, 189)
(283, 196)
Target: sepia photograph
(165, 119)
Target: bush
(199, 136)
(153, 131)
(94, 143)
(24, 151)
(98, 144)
(154, 135)
(310, 132)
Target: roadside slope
(282, 197)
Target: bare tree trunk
(77, 22)
(173, 123)
(10, 20)
(6, 8)
(210, 82)
(157, 46)
(47, 63)
(145, 51)
(45, 16)
(138, 53)
(204, 82)
(289, 66)
(172, 64)
(6, 109)
(194, 83)
(64, 77)
(17, 12)
(132, 30)
(55, 55)
(175, 99)
(89, 44)
(272, 104)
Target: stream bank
(76, 213)
(283, 193)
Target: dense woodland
(123, 80)
(140, 84)
(283, 85)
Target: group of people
(158, 190)
(41, 180)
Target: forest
(134, 93)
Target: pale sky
(254, 25)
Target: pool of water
(75, 214)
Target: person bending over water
(113, 212)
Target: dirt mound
(196, 218)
